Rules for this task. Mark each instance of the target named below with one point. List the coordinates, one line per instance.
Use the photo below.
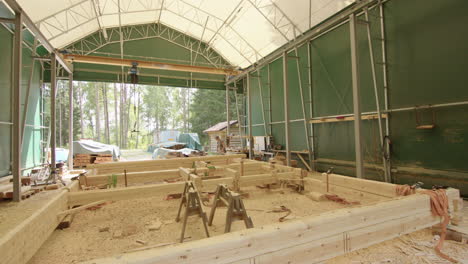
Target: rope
(439, 207)
(404, 190)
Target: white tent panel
(242, 31)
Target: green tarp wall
(31, 152)
(426, 47)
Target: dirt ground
(117, 227)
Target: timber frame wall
(306, 240)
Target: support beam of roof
(35, 31)
(148, 64)
(307, 36)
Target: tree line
(127, 115)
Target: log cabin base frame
(309, 239)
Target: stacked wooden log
(82, 160)
(103, 158)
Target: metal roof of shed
(242, 31)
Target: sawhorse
(193, 206)
(235, 210)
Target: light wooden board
(135, 192)
(153, 165)
(369, 186)
(133, 177)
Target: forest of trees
(127, 115)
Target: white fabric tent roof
(242, 31)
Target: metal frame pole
(28, 90)
(17, 136)
(239, 123)
(376, 92)
(227, 114)
(70, 122)
(270, 109)
(53, 93)
(306, 129)
(286, 106)
(249, 105)
(356, 96)
(387, 155)
(309, 71)
(261, 102)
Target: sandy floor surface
(125, 225)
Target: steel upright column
(227, 114)
(53, 93)
(17, 138)
(356, 96)
(286, 104)
(70, 121)
(249, 105)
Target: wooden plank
(304, 162)
(299, 236)
(369, 186)
(78, 209)
(319, 186)
(184, 173)
(134, 177)
(153, 165)
(148, 64)
(346, 118)
(135, 192)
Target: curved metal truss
(94, 42)
(228, 27)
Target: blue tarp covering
(191, 140)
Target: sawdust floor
(133, 218)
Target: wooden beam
(132, 177)
(346, 118)
(147, 64)
(22, 242)
(304, 162)
(307, 240)
(135, 192)
(369, 186)
(154, 165)
(79, 209)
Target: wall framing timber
(308, 240)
